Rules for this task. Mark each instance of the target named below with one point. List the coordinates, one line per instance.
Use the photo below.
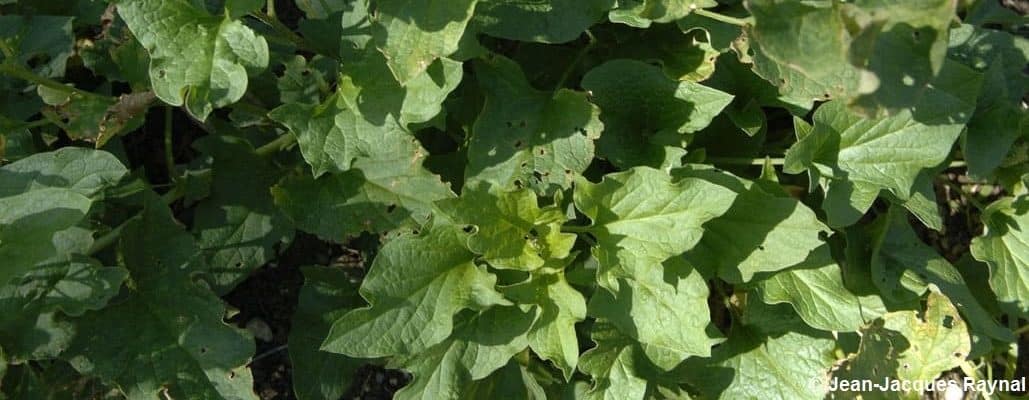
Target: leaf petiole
(26, 74)
(723, 18)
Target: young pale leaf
(639, 102)
(553, 336)
(909, 346)
(548, 21)
(480, 345)
(528, 138)
(413, 34)
(416, 285)
(196, 59)
(168, 328)
(862, 156)
(642, 218)
(328, 293)
(510, 230)
(903, 267)
(1005, 247)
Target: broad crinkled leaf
(480, 345)
(641, 13)
(529, 138)
(415, 286)
(553, 336)
(861, 156)
(238, 226)
(816, 290)
(909, 346)
(903, 268)
(328, 293)
(413, 34)
(761, 232)
(664, 308)
(642, 218)
(543, 21)
(167, 329)
(196, 59)
(510, 229)
(638, 103)
(1005, 247)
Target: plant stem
(961, 192)
(282, 29)
(35, 124)
(722, 18)
(26, 74)
(276, 145)
(271, 9)
(169, 152)
(575, 61)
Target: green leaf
(303, 81)
(553, 336)
(420, 99)
(328, 293)
(761, 232)
(416, 285)
(1005, 247)
(909, 346)
(999, 119)
(664, 308)
(639, 103)
(915, 31)
(39, 38)
(238, 226)
(413, 34)
(83, 171)
(31, 324)
(511, 381)
(860, 156)
(788, 366)
(903, 268)
(642, 218)
(614, 366)
(816, 290)
(167, 327)
(321, 9)
(786, 34)
(196, 59)
(29, 222)
(541, 21)
(510, 230)
(641, 13)
(529, 138)
(480, 345)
